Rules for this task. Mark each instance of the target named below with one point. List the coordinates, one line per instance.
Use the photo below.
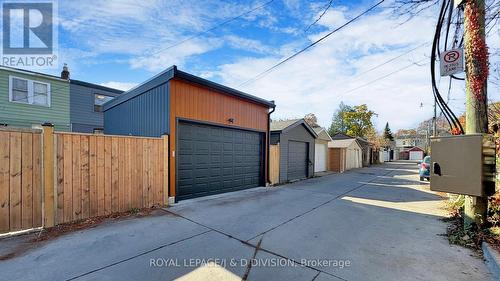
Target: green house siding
(25, 115)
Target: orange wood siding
(194, 102)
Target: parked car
(425, 168)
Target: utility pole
(476, 72)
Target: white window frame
(30, 91)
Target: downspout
(268, 182)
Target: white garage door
(320, 151)
(353, 159)
(416, 155)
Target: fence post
(165, 155)
(48, 175)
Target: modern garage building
(218, 136)
(296, 140)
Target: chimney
(65, 72)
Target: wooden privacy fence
(20, 180)
(274, 163)
(77, 176)
(97, 175)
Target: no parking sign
(452, 61)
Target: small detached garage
(296, 140)
(218, 136)
(344, 154)
(416, 153)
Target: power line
(382, 77)
(393, 59)
(262, 74)
(320, 16)
(212, 28)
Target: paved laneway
(375, 223)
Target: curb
(492, 261)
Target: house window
(99, 101)
(28, 91)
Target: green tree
(359, 121)
(355, 121)
(388, 133)
(338, 120)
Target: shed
(366, 147)
(296, 139)
(345, 154)
(218, 136)
(321, 149)
(416, 153)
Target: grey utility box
(457, 164)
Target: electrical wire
(450, 117)
(212, 28)
(267, 71)
(385, 76)
(320, 16)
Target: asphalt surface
(377, 223)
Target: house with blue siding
(86, 105)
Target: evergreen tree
(388, 133)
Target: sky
(121, 43)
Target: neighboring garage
(321, 150)
(217, 135)
(345, 154)
(416, 153)
(296, 141)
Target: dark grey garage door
(215, 159)
(297, 160)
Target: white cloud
(139, 29)
(248, 45)
(316, 80)
(124, 86)
(164, 57)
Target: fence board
(4, 181)
(115, 175)
(27, 180)
(37, 180)
(84, 176)
(108, 179)
(274, 164)
(68, 177)
(77, 187)
(100, 175)
(93, 178)
(121, 174)
(60, 180)
(15, 181)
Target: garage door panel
(297, 160)
(214, 159)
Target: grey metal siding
(146, 114)
(299, 133)
(82, 115)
